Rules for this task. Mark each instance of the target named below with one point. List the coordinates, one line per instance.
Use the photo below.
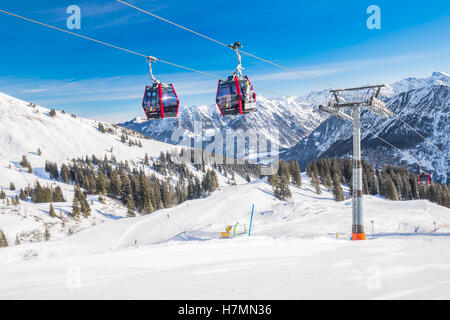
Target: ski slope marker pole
(234, 231)
(251, 219)
(372, 222)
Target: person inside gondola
(151, 103)
(225, 96)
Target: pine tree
(406, 188)
(391, 189)
(295, 173)
(214, 180)
(22, 195)
(148, 207)
(282, 190)
(316, 184)
(125, 186)
(101, 183)
(166, 195)
(52, 212)
(64, 173)
(47, 234)
(283, 169)
(24, 163)
(130, 206)
(47, 195)
(414, 187)
(91, 184)
(190, 190)
(338, 193)
(145, 192)
(38, 194)
(85, 208)
(327, 179)
(3, 240)
(197, 188)
(114, 184)
(274, 181)
(75, 208)
(374, 189)
(281, 187)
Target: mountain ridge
(425, 108)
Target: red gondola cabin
(424, 179)
(160, 101)
(235, 96)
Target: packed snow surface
(298, 249)
(25, 129)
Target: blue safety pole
(251, 219)
(372, 227)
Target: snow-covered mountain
(25, 128)
(31, 131)
(293, 118)
(176, 252)
(424, 104)
(306, 133)
(411, 83)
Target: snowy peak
(292, 117)
(25, 128)
(439, 74)
(424, 106)
(412, 83)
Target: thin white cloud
(34, 90)
(101, 93)
(122, 88)
(117, 117)
(99, 9)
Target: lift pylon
(337, 107)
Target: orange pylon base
(358, 236)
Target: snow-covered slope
(306, 215)
(436, 78)
(292, 117)
(424, 104)
(298, 249)
(23, 130)
(306, 133)
(176, 253)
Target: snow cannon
(227, 233)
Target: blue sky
(328, 40)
